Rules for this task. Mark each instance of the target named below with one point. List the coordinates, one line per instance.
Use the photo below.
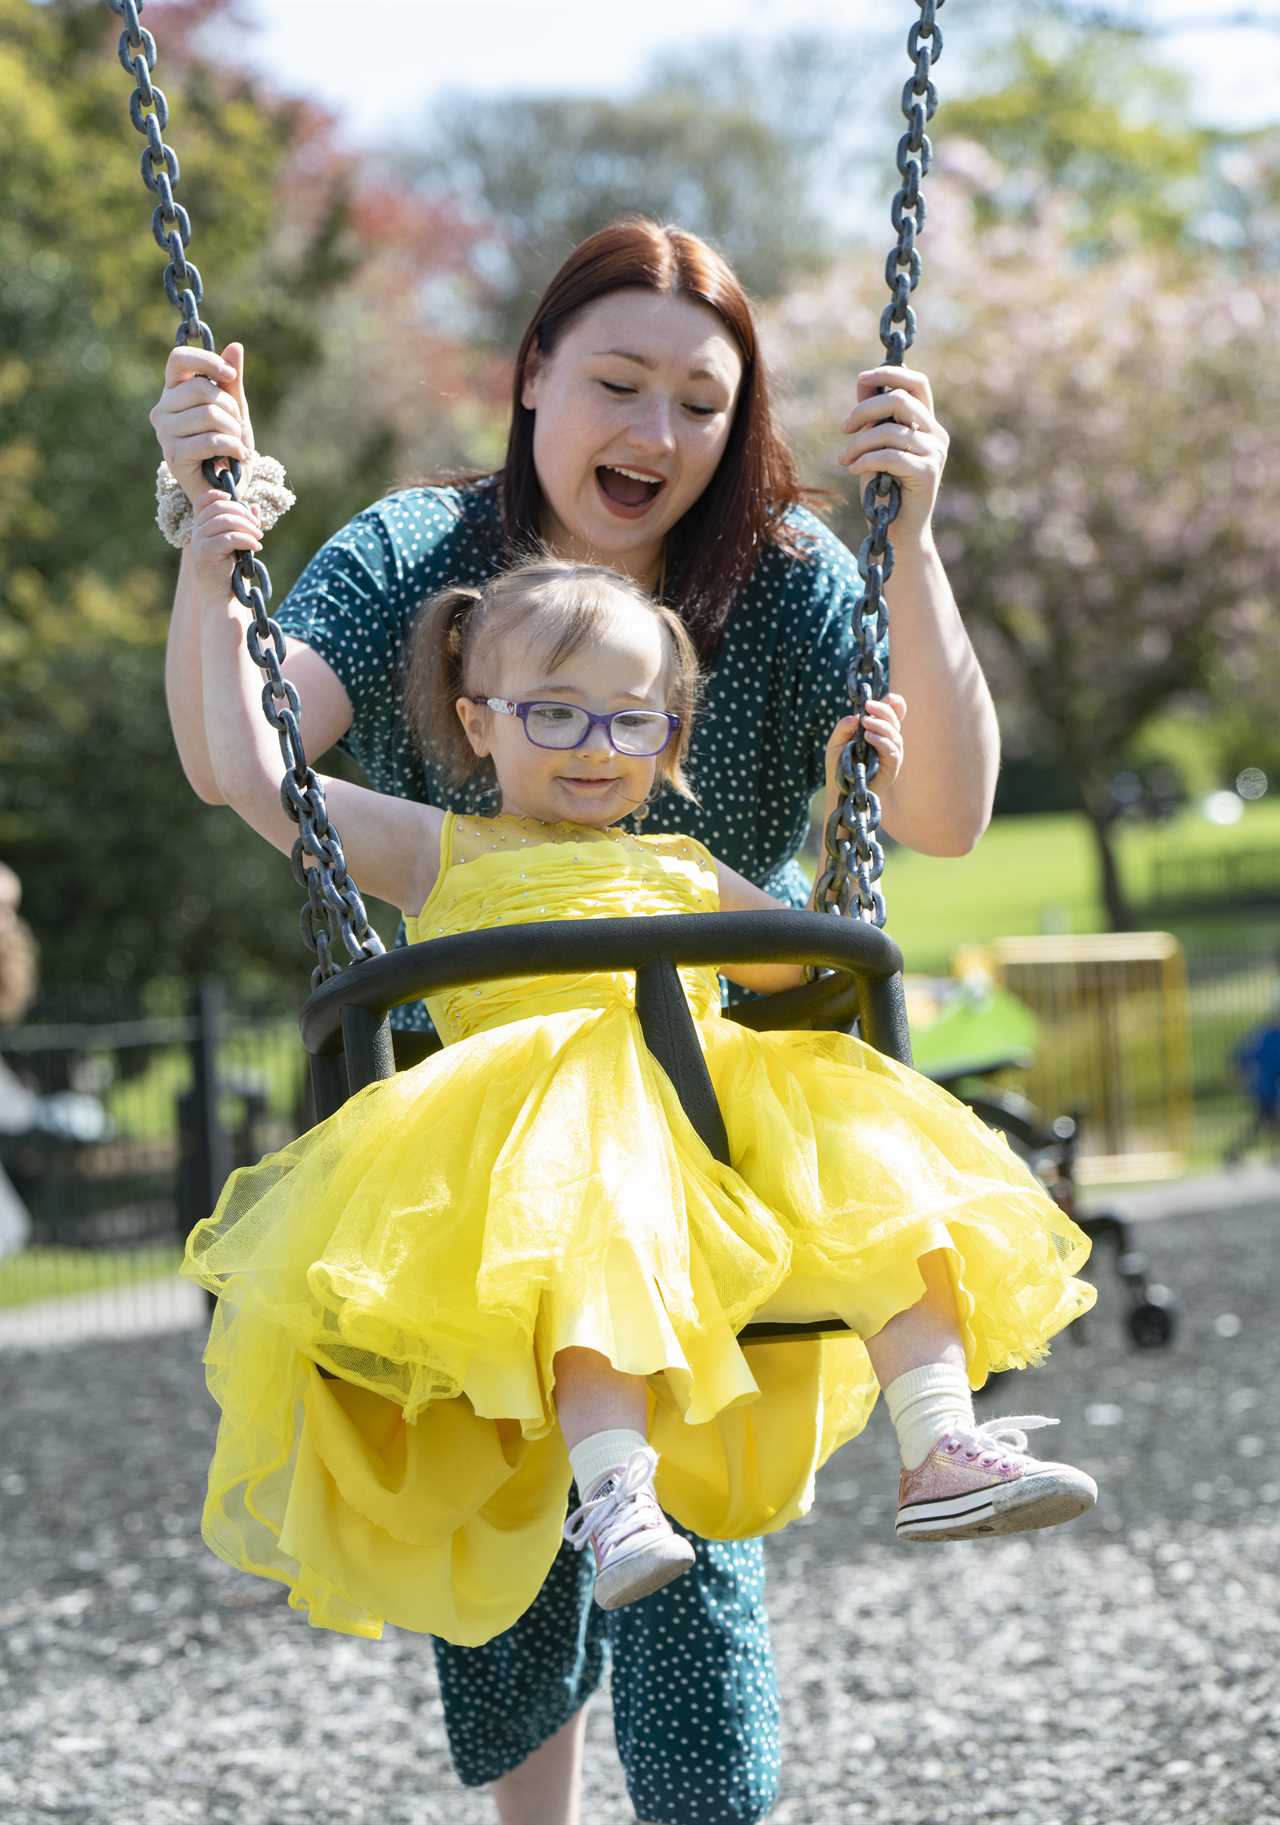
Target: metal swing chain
(855, 854)
(333, 903)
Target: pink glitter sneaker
(636, 1548)
(984, 1481)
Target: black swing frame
(347, 1033)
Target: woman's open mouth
(627, 493)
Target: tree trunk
(1119, 917)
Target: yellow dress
(537, 1185)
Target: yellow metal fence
(1113, 1012)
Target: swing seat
(348, 1036)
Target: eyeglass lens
(563, 725)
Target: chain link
(333, 905)
(854, 852)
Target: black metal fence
(1187, 883)
(116, 1133)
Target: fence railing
(116, 1135)
(1188, 883)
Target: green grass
(49, 1273)
(143, 1106)
(1039, 874)
(1033, 875)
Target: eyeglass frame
(507, 706)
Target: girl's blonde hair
(559, 607)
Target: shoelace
(614, 1515)
(997, 1437)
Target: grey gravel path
(1123, 1669)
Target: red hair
(714, 548)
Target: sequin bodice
(517, 871)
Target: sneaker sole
(1044, 1500)
(643, 1573)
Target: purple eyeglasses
(564, 725)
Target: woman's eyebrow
(645, 362)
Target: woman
(641, 437)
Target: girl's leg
(604, 1419)
(929, 1332)
(591, 1396)
(918, 1358)
(960, 1480)
(546, 1789)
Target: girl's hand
(884, 734)
(221, 528)
(896, 432)
(202, 412)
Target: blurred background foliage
(1102, 280)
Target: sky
(377, 63)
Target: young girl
(516, 1265)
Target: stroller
(966, 1034)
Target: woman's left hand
(895, 432)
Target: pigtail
(454, 609)
(435, 670)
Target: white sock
(926, 1403)
(594, 1457)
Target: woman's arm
(942, 804)
(184, 690)
(326, 707)
(202, 413)
(392, 845)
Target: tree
(1108, 515)
(535, 175)
(323, 277)
(1076, 101)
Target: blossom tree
(1108, 516)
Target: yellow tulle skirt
(395, 1285)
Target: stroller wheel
(1153, 1319)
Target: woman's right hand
(202, 412)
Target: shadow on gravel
(1121, 1669)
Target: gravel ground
(1122, 1669)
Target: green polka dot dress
(695, 1698)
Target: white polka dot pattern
(695, 1699)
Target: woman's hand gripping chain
(894, 431)
(202, 413)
